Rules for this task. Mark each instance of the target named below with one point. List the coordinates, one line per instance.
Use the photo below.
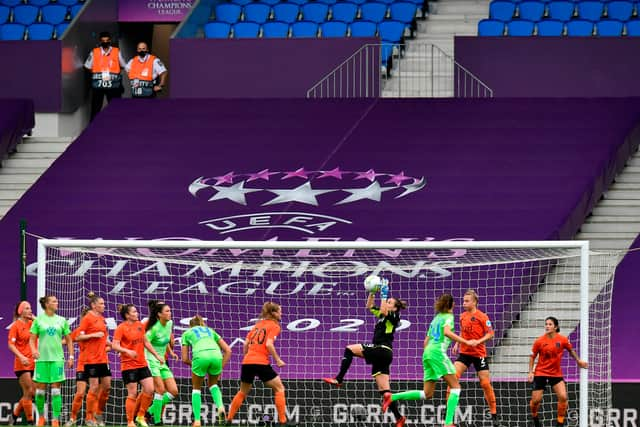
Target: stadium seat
(75, 9)
(10, 3)
(304, 29)
(4, 14)
(333, 29)
(38, 3)
(217, 30)
(314, 12)
(391, 31)
(403, 11)
(609, 28)
(358, 2)
(25, 14)
(286, 12)
(298, 2)
(363, 29)
(54, 14)
(257, 12)
(12, 32)
(633, 28)
(374, 12)
(590, 10)
(40, 32)
(531, 10)
(67, 3)
(620, 10)
(241, 2)
(502, 10)
(246, 30)
(270, 2)
(344, 11)
(550, 28)
(60, 29)
(579, 27)
(520, 28)
(561, 10)
(490, 27)
(228, 12)
(328, 2)
(275, 30)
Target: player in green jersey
(160, 334)
(209, 354)
(435, 362)
(47, 332)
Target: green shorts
(158, 370)
(207, 363)
(48, 372)
(436, 365)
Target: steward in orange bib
(144, 73)
(105, 63)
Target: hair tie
(21, 307)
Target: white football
(372, 283)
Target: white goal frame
(582, 246)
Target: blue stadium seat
(246, 30)
(403, 11)
(75, 9)
(609, 28)
(620, 10)
(38, 3)
(40, 32)
(286, 12)
(328, 2)
(314, 12)
(257, 12)
(25, 14)
(54, 14)
(298, 2)
(228, 12)
(217, 30)
(67, 3)
(520, 28)
(490, 27)
(275, 30)
(363, 29)
(344, 11)
(60, 29)
(633, 28)
(374, 12)
(590, 10)
(531, 10)
(270, 2)
(4, 14)
(359, 2)
(333, 29)
(550, 28)
(304, 29)
(391, 31)
(12, 32)
(241, 2)
(561, 10)
(10, 3)
(502, 10)
(579, 27)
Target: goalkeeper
(210, 353)
(379, 353)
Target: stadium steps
(22, 169)
(447, 18)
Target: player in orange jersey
(258, 345)
(81, 377)
(476, 325)
(130, 341)
(549, 349)
(23, 364)
(93, 332)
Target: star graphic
(372, 192)
(370, 175)
(333, 173)
(418, 184)
(197, 185)
(398, 178)
(263, 174)
(235, 193)
(299, 173)
(302, 194)
(224, 179)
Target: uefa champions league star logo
(338, 187)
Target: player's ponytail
(44, 300)
(555, 322)
(123, 309)
(268, 308)
(196, 320)
(444, 303)
(401, 304)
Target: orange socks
(562, 411)
(103, 397)
(145, 402)
(27, 407)
(235, 404)
(281, 406)
(130, 406)
(489, 395)
(92, 405)
(76, 405)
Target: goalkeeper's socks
(345, 364)
(452, 404)
(196, 403)
(56, 403)
(216, 395)
(40, 403)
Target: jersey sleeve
(185, 340)
(12, 337)
(567, 344)
(376, 311)
(35, 327)
(487, 327)
(117, 335)
(535, 349)
(66, 330)
(216, 336)
(450, 322)
(273, 331)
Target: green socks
(216, 394)
(40, 403)
(156, 408)
(196, 403)
(452, 404)
(56, 403)
(408, 395)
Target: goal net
(320, 288)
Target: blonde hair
(196, 320)
(473, 294)
(268, 308)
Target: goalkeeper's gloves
(384, 289)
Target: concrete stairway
(23, 168)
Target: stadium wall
(552, 66)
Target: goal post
(319, 285)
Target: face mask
(142, 54)
(105, 45)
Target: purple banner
(153, 10)
(319, 170)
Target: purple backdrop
(153, 11)
(260, 68)
(16, 120)
(553, 66)
(494, 169)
